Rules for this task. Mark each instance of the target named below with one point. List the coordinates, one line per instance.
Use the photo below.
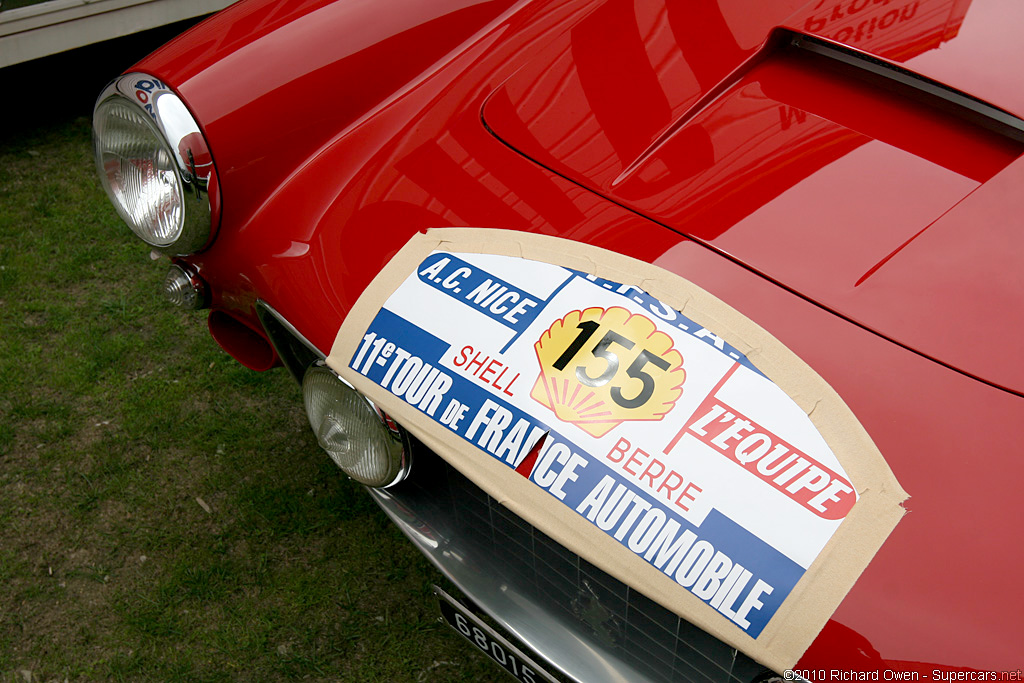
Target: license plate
(490, 642)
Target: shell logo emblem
(604, 366)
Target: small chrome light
(352, 430)
(185, 288)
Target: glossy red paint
(897, 31)
(275, 210)
(942, 589)
(267, 104)
(327, 166)
(248, 345)
(796, 155)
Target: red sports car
(677, 335)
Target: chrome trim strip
(268, 317)
(260, 303)
(983, 113)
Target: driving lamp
(356, 435)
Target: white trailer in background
(44, 28)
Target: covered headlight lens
(138, 172)
(352, 431)
(155, 165)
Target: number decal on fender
(633, 372)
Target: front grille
(641, 632)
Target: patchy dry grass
(153, 526)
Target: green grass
(116, 413)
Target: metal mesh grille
(648, 636)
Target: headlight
(354, 433)
(154, 164)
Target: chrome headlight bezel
(154, 109)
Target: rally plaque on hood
(634, 418)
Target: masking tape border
(829, 578)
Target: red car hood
(897, 210)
